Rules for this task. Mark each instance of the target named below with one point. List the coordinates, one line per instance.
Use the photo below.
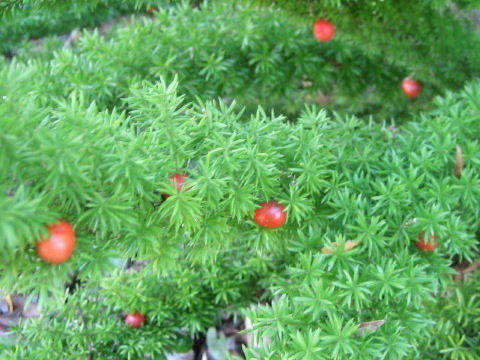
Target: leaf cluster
(432, 40)
(92, 135)
(234, 52)
(34, 21)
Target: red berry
(135, 319)
(323, 30)
(176, 180)
(59, 246)
(411, 88)
(426, 246)
(151, 9)
(270, 215)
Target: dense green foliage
(33, 21)
(253, 56)
(344, 202)
(434, 40)
(90, 135)
(233, 52)
(410, 175)
(7, 6)
(457, 315)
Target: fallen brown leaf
(322, 98)
(350, 244)
(458, 162)
(8, 299)
(370, 325)
(472, 267)
(249, 338)
(72, 37)
(464, 268)
(409, 222)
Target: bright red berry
(151, 9)
(426, 246)
(323, 30)
(411, 87)
(59, 246)
(270, 215)
(135, 319)
(176, 180)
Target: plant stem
(87, 335)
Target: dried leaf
(409, 222)
(249, 338)
(306, 83)
(458, 162)
(8, 299)
(322, 98)
(370, 325)
(350, 244)
(472, 267)
(74, 36)
(465, 267)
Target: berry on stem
(176, 180)
(135, 319)
(411, 88)
(426, 246)
(323, 30)
(270, 215)
(59, 246)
